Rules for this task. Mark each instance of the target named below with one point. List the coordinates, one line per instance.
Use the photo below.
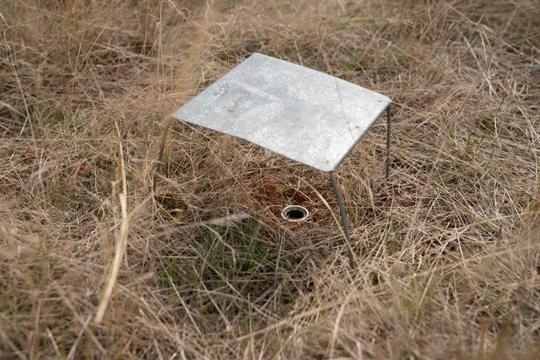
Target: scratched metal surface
(300, 113)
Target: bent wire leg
(344, 221)
(388, 133)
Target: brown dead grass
(447, 248)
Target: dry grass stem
(121, 243)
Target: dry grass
(447, 248)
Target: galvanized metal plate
(300, 113)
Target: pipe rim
(295, 213)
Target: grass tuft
(194, 260)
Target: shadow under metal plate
(300, 113)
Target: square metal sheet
(300, 113)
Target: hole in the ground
(295, 213)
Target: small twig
(73, 350)
(55, 345)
